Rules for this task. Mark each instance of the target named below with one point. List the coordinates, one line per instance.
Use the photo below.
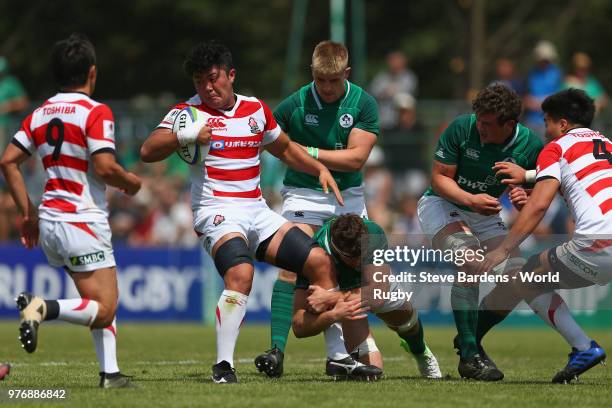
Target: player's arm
(306, 324)
(162, 142)
(10, 162)
(444, 184)
(295, 157)
(105, 166)
(360, 143)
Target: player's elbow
(146, 153)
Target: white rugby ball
(192, 153)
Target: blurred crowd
(396, 173)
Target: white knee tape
(405, 327)
(509, 265)
(366, 347)
(460, 240)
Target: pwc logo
(215, 123)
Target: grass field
(171, 364)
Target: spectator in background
(397, 78)
(505, 74)
(405, 145)
(12, 99)
(581, 78)
(544, 79)
(378, 189)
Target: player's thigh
(216, 224)
(289, 276)
(234, 262)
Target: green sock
(464, 301)
(486, 320)
(282, 312)
(415, 341)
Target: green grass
(171, 364)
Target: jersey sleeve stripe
(238, 194)
(232, 175)
(65, 161)
(64, 184)
(20, 146)
(59, 204)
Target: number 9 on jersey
(192, 153)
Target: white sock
(105, 341)
(334, 342)
(554, 311)
(230, 313)
(78, 311)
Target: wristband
(530, 176)
(313, 151)
(189, 134)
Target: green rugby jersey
(348, 278)
(309, 121)
(460, 145)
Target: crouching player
(315, 309)
(577, 162)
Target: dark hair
(347, 232)
(500, 100)
(71, 59)
(206, 55)
(573, 105)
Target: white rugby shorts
(307, 206)
(436, 213)
(79, 246)
(254, 220)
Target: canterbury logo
(215, 123)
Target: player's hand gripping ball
(187, 125)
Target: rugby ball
(192, 153)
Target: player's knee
(239, 278)
(106, 315)
(232, 253)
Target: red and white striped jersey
(582, 161)
(230, 171)
(65, 131)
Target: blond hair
(329, 58)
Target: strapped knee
(532, 263)
(406, 326)
(231, 253)
(460, 240)
(509, 265)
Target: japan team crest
(218, 220)
(253, 125)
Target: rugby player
(315, 309)
(577, 162)
(230, 215)
(336, 122)
(75, 139)
(461, 208)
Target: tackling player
(460, 209)
(336, 122)
(74, 137)
(230, 215)
(577, 162)
(315, 309)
